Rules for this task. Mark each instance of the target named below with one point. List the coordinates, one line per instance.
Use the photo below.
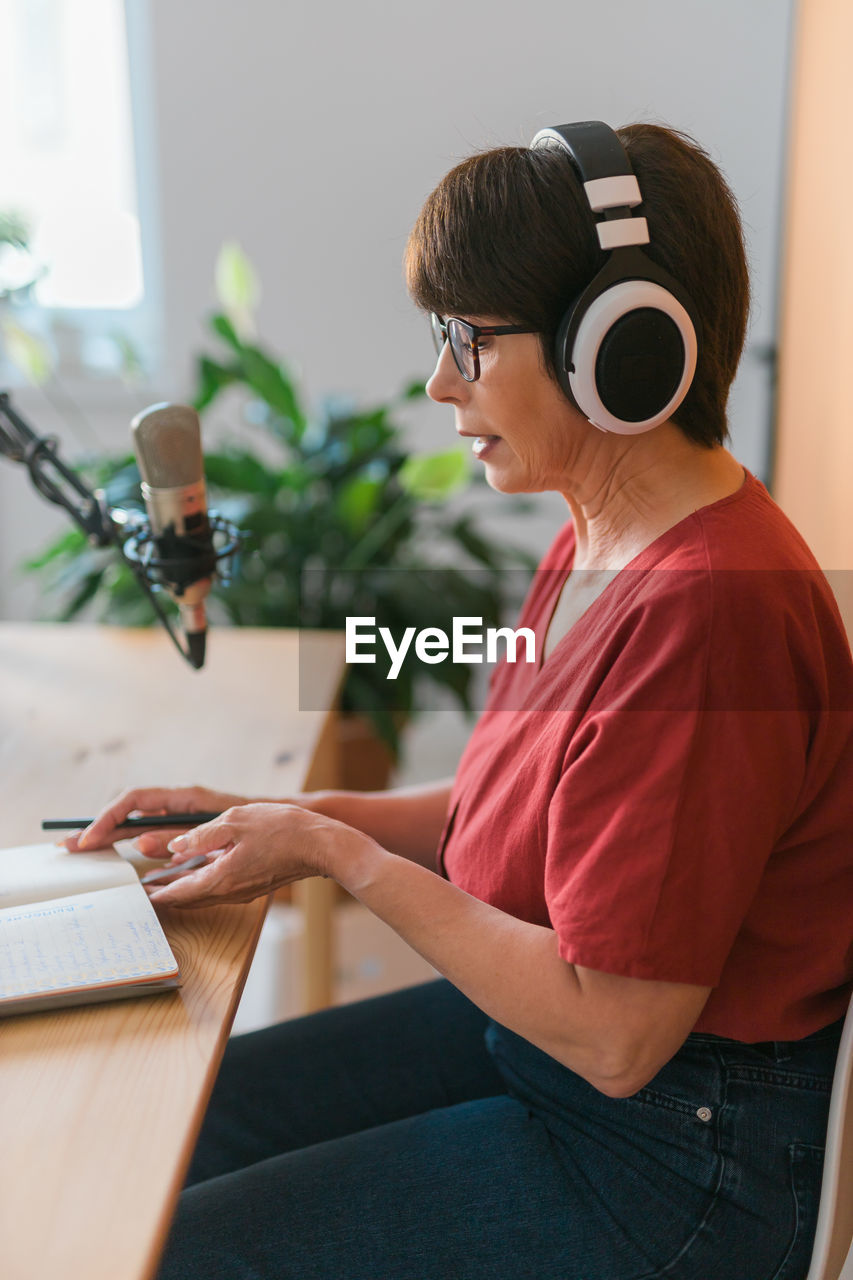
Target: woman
(637, 887)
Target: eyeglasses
(464, 341)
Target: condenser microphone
(167, 443)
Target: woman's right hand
(106, 828)
(406, 820)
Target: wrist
(324, 803)
(355, 860)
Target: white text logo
(433, 645)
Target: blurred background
(138, 138)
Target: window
(67, 169)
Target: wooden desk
(100, 1106)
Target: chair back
(832, 1256)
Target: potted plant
(340, 520)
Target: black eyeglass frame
(474, 332)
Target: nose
(446, 385)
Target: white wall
(311, 133)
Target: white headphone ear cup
(581, 366)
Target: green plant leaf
(475, 544)
(81, 597)
(27, 352)
(70, 543)
(222, 325)
(274, 386)
(14, 228)
(131, 364)
(358, 501)
(380, 535)
(237, 470)
(237, 287)
(434, 477)
(122, 486)
(212, 377)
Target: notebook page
(89, 940)
(38, 872)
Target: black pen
(153, 820)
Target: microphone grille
(167, 443)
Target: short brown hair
(508, 233)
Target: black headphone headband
(592, 145)
(626, 348)
(609, 183)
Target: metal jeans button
(704, 1113)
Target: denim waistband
(702, 1066)
(825, 1040)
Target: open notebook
(76, 928)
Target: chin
(501, 484)
(503, 481)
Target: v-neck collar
(642, 561)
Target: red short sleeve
(659, 834)
(680, 782)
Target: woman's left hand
(254, 849)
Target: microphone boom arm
(51, 477)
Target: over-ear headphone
(626, 348)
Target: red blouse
(672, 789)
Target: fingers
(106, 827)
(206, 838)
(155, 844)
(245, 845)
(165, 875)
(209, 885)
(196, 889)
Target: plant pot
(363, 762)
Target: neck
(635, 488)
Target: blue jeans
(410, 1138)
